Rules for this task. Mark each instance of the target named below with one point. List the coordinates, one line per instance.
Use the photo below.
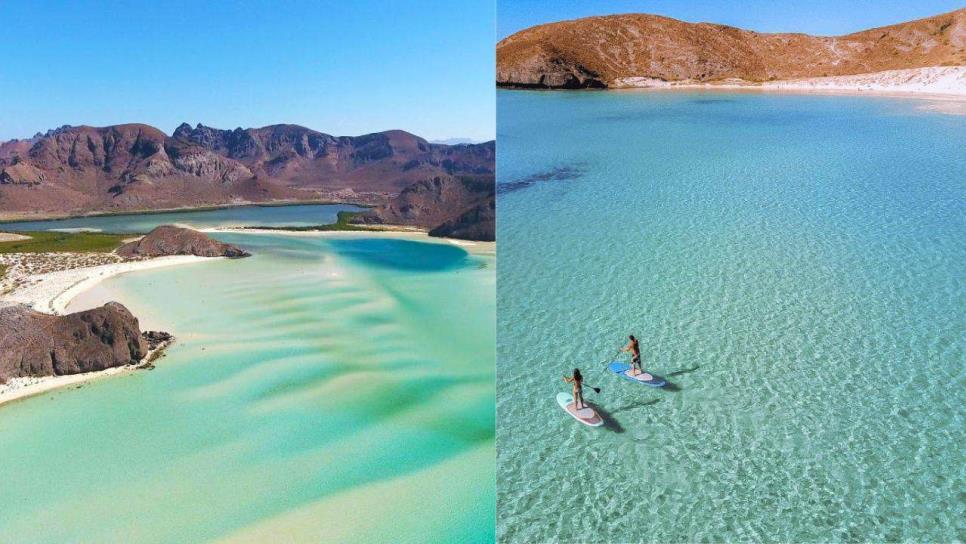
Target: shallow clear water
(794, 265)
(327, 389)
(301, 215)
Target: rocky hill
(77, 170)
(619, 50)
(451, 206)
(38, 344)
(171, 240)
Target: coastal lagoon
(794, 265)
(298, 215)
(332, 387)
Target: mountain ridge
(604, 51)
(77, 170)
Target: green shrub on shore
(342, 223)
(58, 242)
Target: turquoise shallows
(795, 266)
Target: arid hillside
(606, 52)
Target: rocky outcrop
(454, 206)
(37, 344)
(171, 240)
(477, 223)
(135, 167)
(613, 50)
(20, 173)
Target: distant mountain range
(135, 167)
(454, 141)
(619, 50)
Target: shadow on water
(671, 386)
(609, 422)
(635, 406)
(683, 371)
(405, 255)
(559, 173)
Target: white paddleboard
(587, 415)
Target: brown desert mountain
(134, 167)
(600, 52)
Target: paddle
(596, 389)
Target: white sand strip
(11, 237)
(51, 292)
(20, 388)
(935, 82)
(401, 232)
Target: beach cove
(327, 369)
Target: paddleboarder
(578, 380)
(635, 348)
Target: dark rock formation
(477, 223)
(601, 51)
(171, 240)
(37, 344)
(457, 206)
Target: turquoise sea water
(242, 216)
(794, 265)
(327, 389)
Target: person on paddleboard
(578, 380)
(635, 348)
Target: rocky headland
(448, 206)
(167, 240)
(38, 344)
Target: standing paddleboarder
(635, 348)
(578, 380)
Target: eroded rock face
(38, 344)
(454, 206)
(604, 51)
(170, 240)
(478, 223)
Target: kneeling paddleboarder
(635, 348)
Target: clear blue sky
(821, 17)
(342, 67)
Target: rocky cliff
(610, 51)
(453, 206)
(77, 170)
(171, 240)
(37, 344)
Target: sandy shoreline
(946, 84)
(401, 232)
(51, 292)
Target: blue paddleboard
(646, 378)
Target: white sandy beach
(944, 84)
(390, 231)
